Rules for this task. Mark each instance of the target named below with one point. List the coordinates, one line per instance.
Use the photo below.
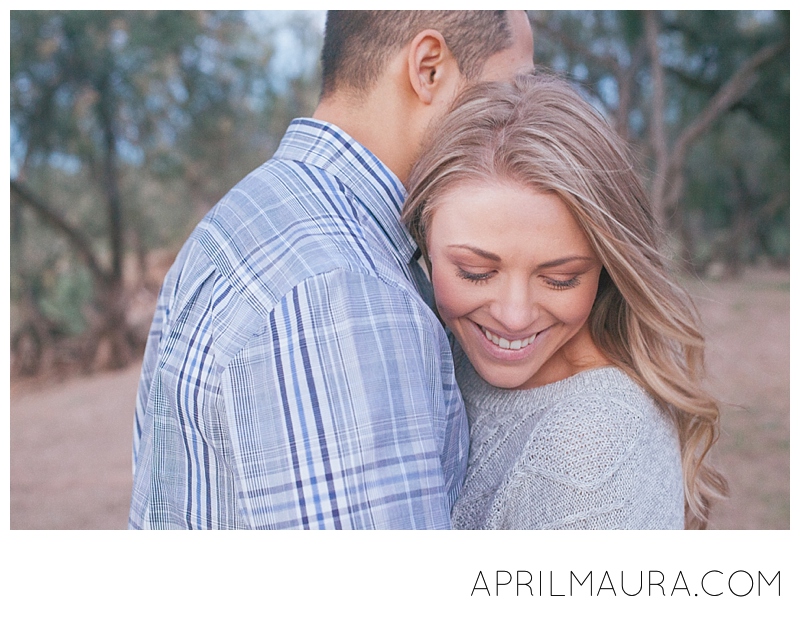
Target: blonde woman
(579, 357)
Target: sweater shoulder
(584, 438)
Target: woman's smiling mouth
(503, 343)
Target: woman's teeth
(505, 344)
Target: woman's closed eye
(562, 283)
(474, 276)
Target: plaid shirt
(294, 377)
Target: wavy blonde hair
(540, 134)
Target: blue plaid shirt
(294, 377)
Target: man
(294, 377)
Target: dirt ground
(747, 330)
(71, 441)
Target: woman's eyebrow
(482, 253)
(494, 257)
(562, 261)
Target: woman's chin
(501, 377)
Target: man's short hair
(358, 44)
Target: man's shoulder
(279, 199)
(284, 223)
(238, 311)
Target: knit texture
(593, 451)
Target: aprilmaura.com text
(523, 583)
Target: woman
(579, 358)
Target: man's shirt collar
(327, 147)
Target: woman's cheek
(447, 297)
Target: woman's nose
(515, 307)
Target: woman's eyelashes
(479, 277)
(563, 284)
(472, 276)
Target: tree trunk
(730, 92)
(110, 324)
(669, 176)
(658, 134)
(74, 236)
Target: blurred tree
(675, 82)
(126, 127)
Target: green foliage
(64, 294)
(737, 172)
(164, 109)
(168, 109)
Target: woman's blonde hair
(540, 134)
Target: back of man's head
(358, 44)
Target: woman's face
(515, 279)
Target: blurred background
(127, 127)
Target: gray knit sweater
(592, 451)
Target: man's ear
(430, 65)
